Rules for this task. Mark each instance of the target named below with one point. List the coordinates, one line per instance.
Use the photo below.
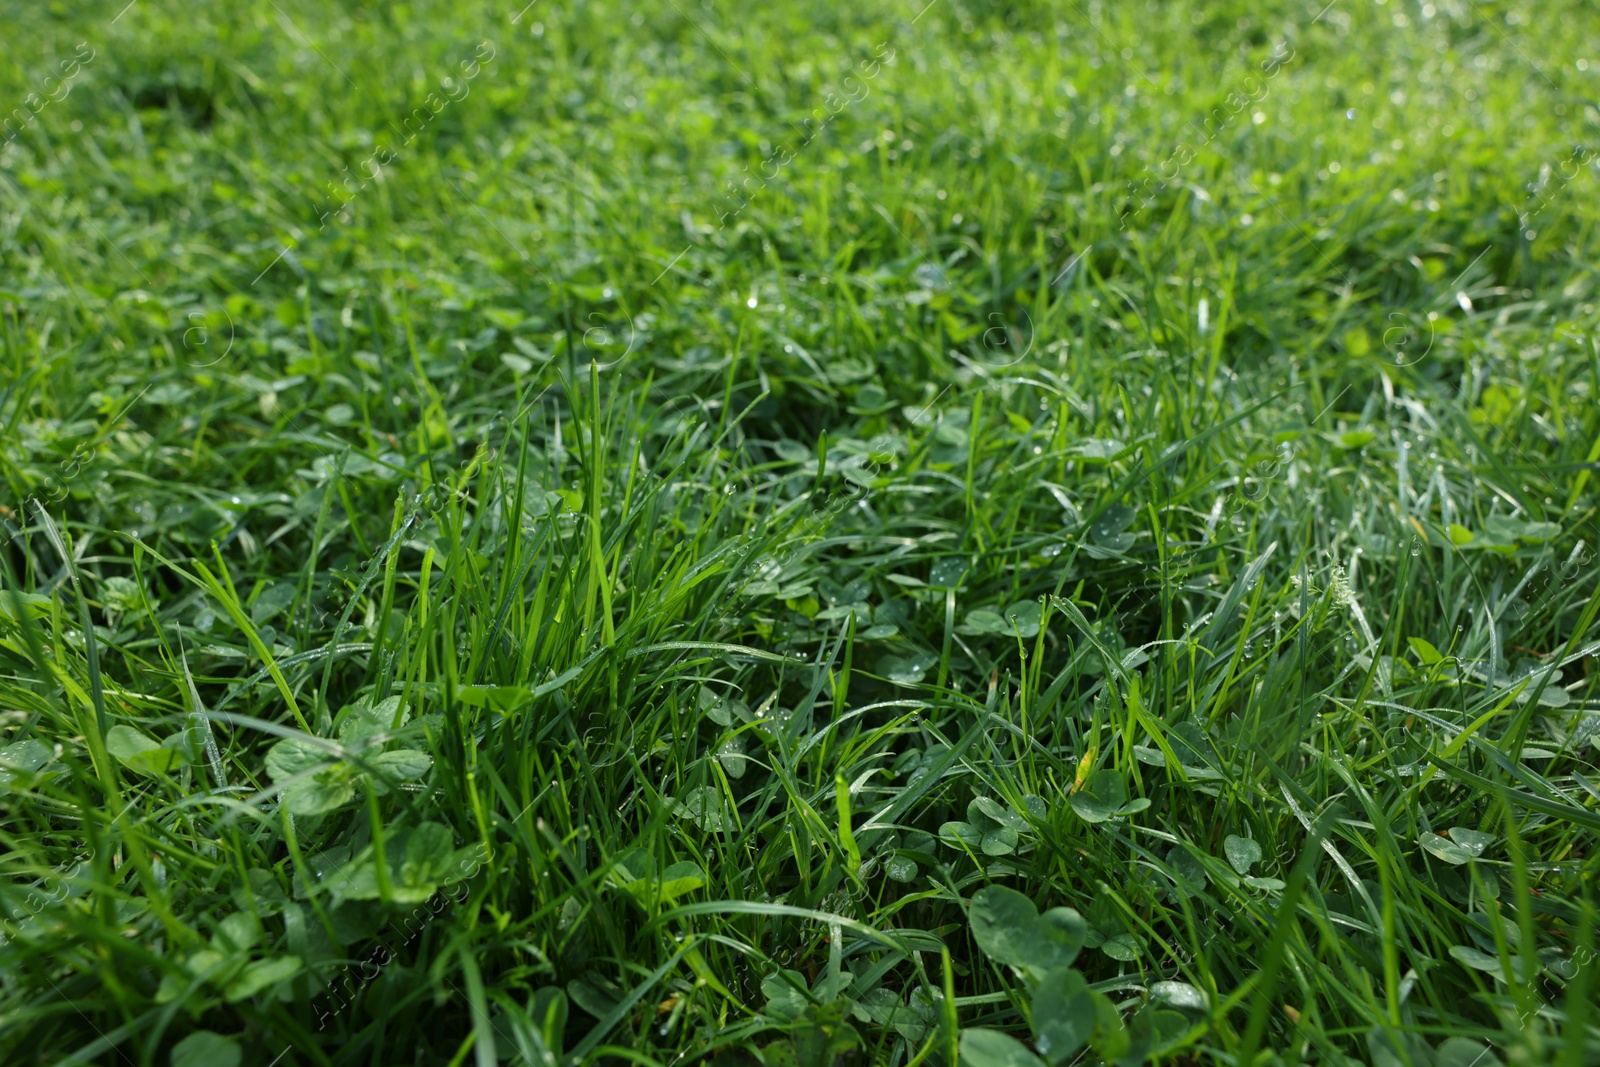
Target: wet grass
(592, 534)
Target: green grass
(743, 483)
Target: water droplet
(750, 304)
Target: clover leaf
(991, 1048)
(1002, 922)
(1010, 930)
(990, 826)
(1019, 619)
(363, 719)
(418, 862)
(1465, 1052)
(1473, 842)
(1242, 853)
(1063, 1014)
(226, 965)
(1444, 849)
(635, 872)
(985, 621)
(1024, 616)
(139, 752)
(1104, 796)
(403, 764)
(22, 759)
(320, 778)
(703, 807)
(205, 1048)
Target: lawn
(902, 533)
